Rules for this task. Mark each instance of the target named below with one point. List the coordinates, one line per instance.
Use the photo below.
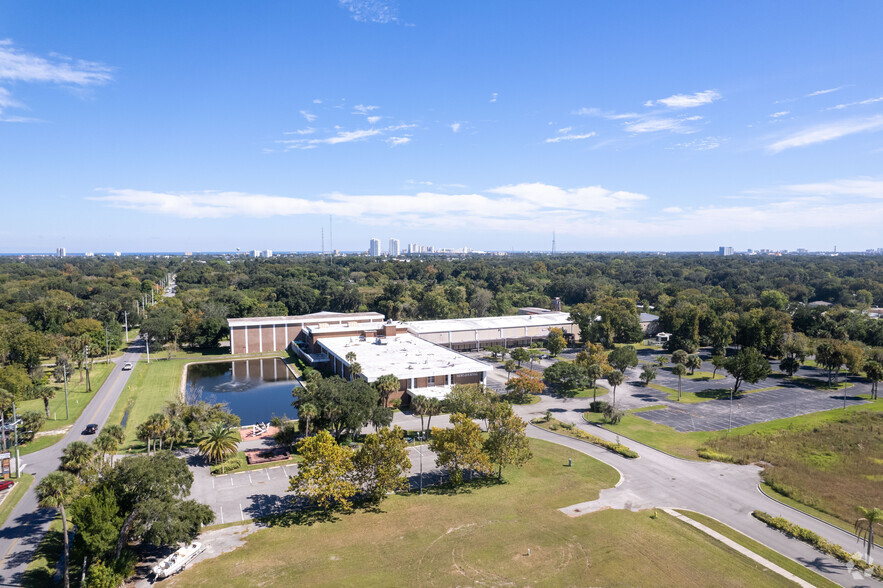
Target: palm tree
(155, 425)
(594, 372)
(56, 491)
(105, 445)
(418, 406)
(693, 362)
(176, 433)
(308, 411)
(615, 378)
(648, 374)
(219, 443)
(864, 526)
(6, 400)
(76, 458)
(661, 360)
(679, 370)
(511, 367)
(433, 408)
(45, 392)
(874, 373)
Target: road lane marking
(222, 516)
(249, 478)
(268, 474)
(240, 512)
(213, 485)
(8, 551)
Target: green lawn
(592, 392)
(39, 572)
(815, 384)
(239, 463)
(154, 384)
(481, 536)
(21, 486)
(762, 550)
(78, 398)
(704, 395)
(40, 443)
(850, 528)
(699, 376)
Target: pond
(255, 389)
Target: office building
(726, 250)
(374, 248)
(61, 252)
(393, 247)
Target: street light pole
(730, 424)
(421, 469)
(67, 413)
(106, 345)
(147, 343)
(126, 318)
(15, 425)
(86, 361)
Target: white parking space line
(268, 474)
(240, 512)
(213, 482)
(249, 479)
(222, 514)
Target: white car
(127, 366)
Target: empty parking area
(757, 407)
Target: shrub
(706, 453)
(612, 415)
(619, 448)
(598, 406)
(31, 423)
(237, 462)
(395, 403)
(818, 542)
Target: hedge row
(706, 453)
(580, 434)
(818, 542)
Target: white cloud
(455, 127)
(654, 124)
(396, 141)
(16, 65)
(565, 130)
(859, 103)
(827, 132)
(560, 138)
(308, 116)
(820, 92)
(306, 131)
(706, 144)
(376, 11)
(494, 97)
(373, 119)
(867, 188)
(672, 209)
(607, 114)
(317, 101)
(780, 114)
(687, 100)
(363, 109)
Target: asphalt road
(26, 525)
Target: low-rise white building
(509, 331)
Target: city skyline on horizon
(662, 130)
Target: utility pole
(67, 412)
(15, 429)
(331, 237)
(106, 345)
(147, 342)
(420, 449)
(126, 318)
(86, 361)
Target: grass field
(40, 443)
(481, 536)
(704, 395)
(78, 398)
(849, 527)
(154, 384)
(39, 572)
(699, 376)
(762, 550)
(592, 392)
(833, 466)
(21, 486)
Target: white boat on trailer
(178, 560)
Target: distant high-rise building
(393, 247)
(89, 254)
(413, 248)
(726, 250)
(268, 253)
(61, 252)
(374, 248)
(117, 254)
(255, 253)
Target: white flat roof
(437, 392)
(548, 319)
(346, 326)
(404, 355)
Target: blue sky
(208, 126)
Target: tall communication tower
(323, 241)
(553, 242)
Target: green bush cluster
(818, 542)
(598, 406)
(619, 448)
(237, 462)
(706, 453)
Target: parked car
(127, 365)
(90, 429)
(6, 484)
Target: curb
(759, 489)
(645, 445)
